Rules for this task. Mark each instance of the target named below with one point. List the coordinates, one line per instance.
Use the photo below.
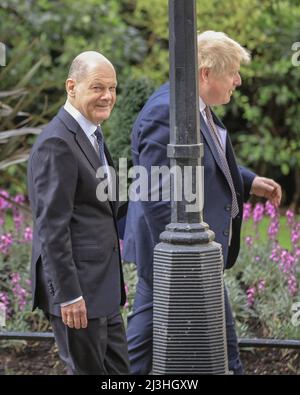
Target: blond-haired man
(226, 187)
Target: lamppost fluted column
(188, 295)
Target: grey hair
(84, 62)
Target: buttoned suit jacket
(75, 240)
(146, 220)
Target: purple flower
(251, 296)
(19, 292)
(271, 210)
(295, 236)
(249, 241)
(20, 199)
(6, 241)
(292, 285)
(18, 218)
(247, 211)
(258, 212)
(28, 234)
(4, 204)
(290, 215)
(273, 228)
(261, 285)
(4, 299)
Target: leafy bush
(134, 94)
(264, 283)
(15, 251)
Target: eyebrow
(97, 82)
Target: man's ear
(70, 87)
(204, 73)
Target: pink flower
(290, 215)
(261, 285)
(6, 241)
(273, 228)
(271, 210)
(247, 211)
(258, 212)
(19, 292)
(4, 299)
(251, 296)
(28, 234)
(292, 285)
(249, 241)
(4, 204)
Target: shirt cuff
(71, 301)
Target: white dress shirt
(222, 132)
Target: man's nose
(106, 94)
(238, 80)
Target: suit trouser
(99, 349)
(140, 333)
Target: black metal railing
(243, 342)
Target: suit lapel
(85, 145)
(210, 142)
(87, 148)
(81, 138)
(113, 204)
(235, 174)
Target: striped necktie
(100, 141)
(216, 137)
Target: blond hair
(220, 53)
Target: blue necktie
(100, 141)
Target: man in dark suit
(226, 188)
(76, 272)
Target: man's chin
(101, 117)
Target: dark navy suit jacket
(146, 220)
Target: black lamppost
(188, 307)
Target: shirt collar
(202, 105)
(87, 126)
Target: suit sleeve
(248, 177)
(54, 170)
(154, 135)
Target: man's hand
(265, 187)
(74, 315)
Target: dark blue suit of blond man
(146, 220)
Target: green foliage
(134, 94)
(263, 114)
(263, 118)
(18, 125)
(271, 313)
(130, 279)
(15, 252)
(62, 29)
